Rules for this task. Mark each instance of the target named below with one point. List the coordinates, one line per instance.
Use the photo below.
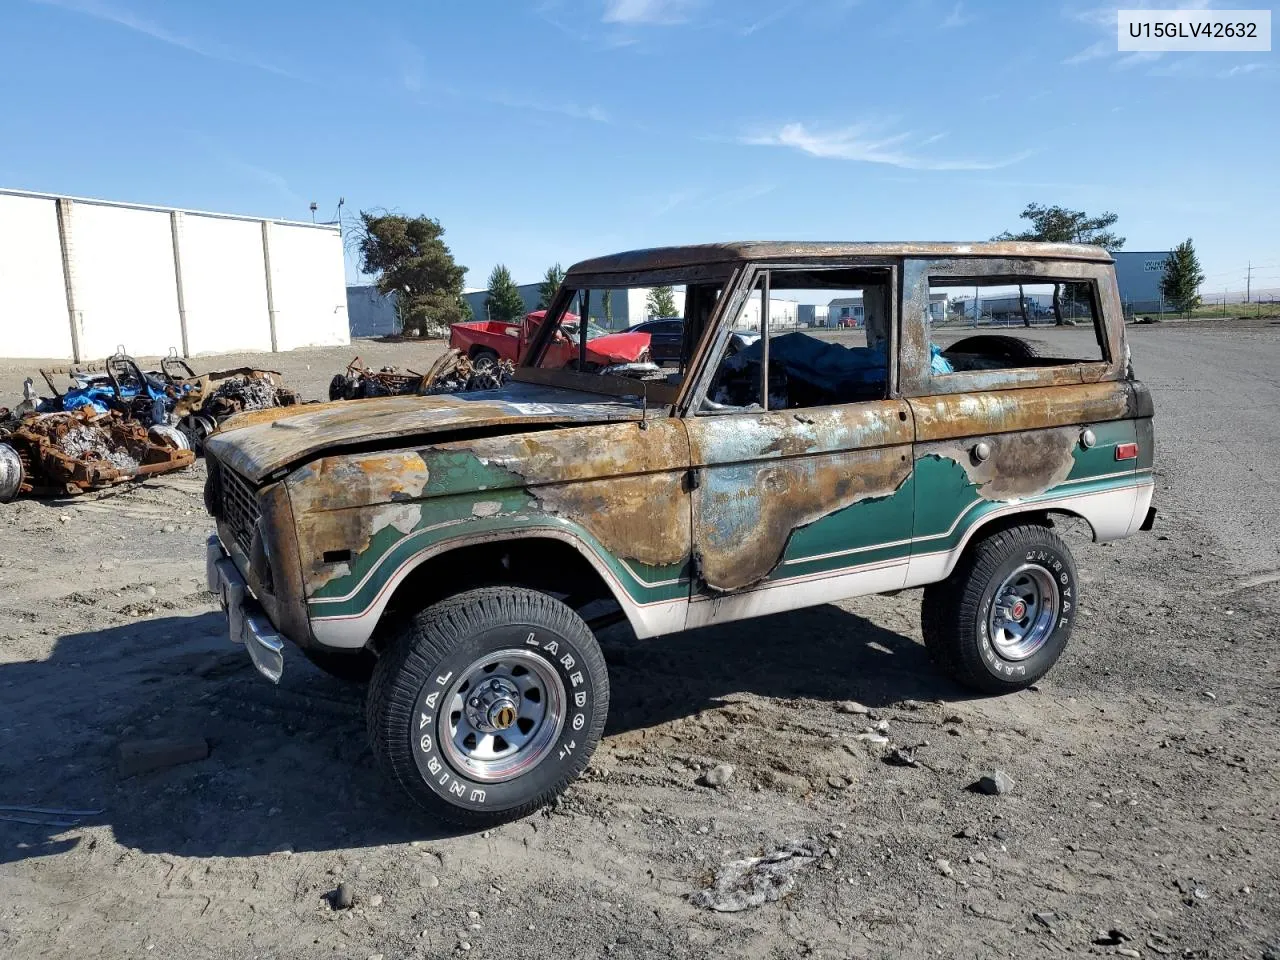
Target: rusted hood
(258, 444)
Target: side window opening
(1011, 323)
(828, 341)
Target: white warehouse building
(80, 278)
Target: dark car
(666, 338)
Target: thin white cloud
(957, 17)
(130, 21)
(1105, 18)
(859, 143)
(1094, 51)
(769, 18)
(659, 12)
(1242, 69)
(574, 111)
(1138, 58)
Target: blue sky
(545, 130)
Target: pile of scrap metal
(68, 453)
(173, 401)
(115, 422)
(214, 397)
(451, 373)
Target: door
(809, 500)
(1019, 398)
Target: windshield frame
(724, 273)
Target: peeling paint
(1020, 465)
(750, 511)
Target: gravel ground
(1142, 821)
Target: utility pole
(1248, 283)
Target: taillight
(1126, 451)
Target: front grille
(239, 507)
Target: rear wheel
(1004, 616)
(487, 705)
(484, 361)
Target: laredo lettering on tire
(488, 704)
(1004, 616)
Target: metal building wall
(224, 284)
(33, 291)
(79, 278)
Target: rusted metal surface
(371, 486)
(259, 443)
(764, 476)
(659, 258)
(758, 507)
(452, 372)
(1006, 411)
(70, 453)
(1018, 465)
(643, 518)
(623, 485)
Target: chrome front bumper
(246, 621)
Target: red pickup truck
(492, 340)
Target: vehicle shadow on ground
(288, 767)
(820, 653)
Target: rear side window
(1014, 323)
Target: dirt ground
(1144, 820)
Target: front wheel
(1004, 616)
(488, 704)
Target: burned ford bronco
(911, 415)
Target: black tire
(483, 359)
(434, 651)
(354, 667)
(994, 345)
(339, 389)
(956, 614)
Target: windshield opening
(643, 330)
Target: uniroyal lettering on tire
(489, 704)
(1004, 616)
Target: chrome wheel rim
(1023, 612)
(502, 716)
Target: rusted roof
(657, 258)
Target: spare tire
(993, 345)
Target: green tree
(1060, 225)
(661, 302)
(504, 300)
(606, 304)
(1182, 277)
(410, 259)
(550, 284)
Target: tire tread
(428, 638)
(952, 605)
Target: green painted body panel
(931, 511)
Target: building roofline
(155, 208)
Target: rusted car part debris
(174, 396)
(70, 453)
(118, 383)
(217, 396)
(451, 373)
